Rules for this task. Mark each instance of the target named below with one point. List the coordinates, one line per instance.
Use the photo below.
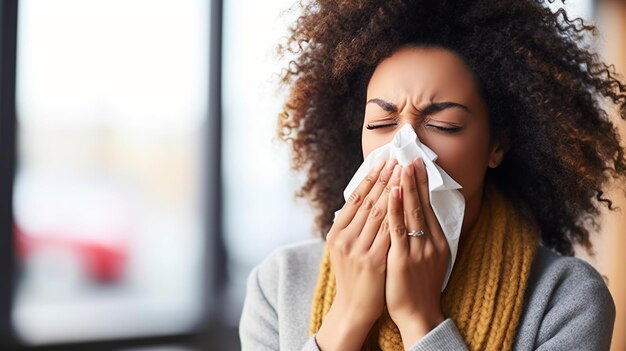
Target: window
(109, 190)
(260, 212)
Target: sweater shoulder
(565, 296)
(566, 277)
(557, 271)
(277, 305)
(297, 255)
(290, 263)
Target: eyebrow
(433, 107)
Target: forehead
(427, 72)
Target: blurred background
(140, 175)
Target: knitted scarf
(485, 293)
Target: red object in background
(103, 262)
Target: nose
(411, 121)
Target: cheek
(464, 158)
(370, 141)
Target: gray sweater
(567, 305)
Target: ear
(496, 154)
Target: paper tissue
(446, 201)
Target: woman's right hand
(358, 242)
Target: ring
(416, 233)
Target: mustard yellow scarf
(485, 293)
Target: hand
(415, 265)
(358, 242)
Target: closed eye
(376, 126)
(439, 128)
(445, 129)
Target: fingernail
(408, 170)
(396, 171)
(380, 164)
(389, 165)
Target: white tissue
(446, 201)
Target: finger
(370, 199)
(382, 241)
(421, 179)
(356, 198)
(431, 219)
(413, 213)
(411, 200)
(396, 221)
(378, 212)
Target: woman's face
(434, 91)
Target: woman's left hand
(416, 266)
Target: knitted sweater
(567, 305)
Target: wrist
(342, 330)
(414, 329)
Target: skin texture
(415, 266)
(412, 79)
(536, 128)
(358, 242)
(376, 263)
(536, 79)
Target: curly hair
(547, 97)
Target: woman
(514, 110)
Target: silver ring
(416, 233)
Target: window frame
(210, 332)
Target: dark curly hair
(547, 97)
